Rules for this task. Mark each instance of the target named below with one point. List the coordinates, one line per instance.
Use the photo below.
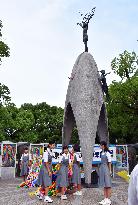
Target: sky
(44, 42)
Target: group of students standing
(62, 180)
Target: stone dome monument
(85, 109)
(84, 106)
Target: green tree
(75, 136)
(123, 106)
(4, 49)
(4, 52)
(7, 122)
(125, 65)
(4, 92)
(48, 121)
(24, 122)
(3, 116)
(4, 95)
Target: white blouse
(133, 187)
(25, 155)
(77, 157)
(66, 156)
(45, 155)
(108, 156)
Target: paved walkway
(10, 195)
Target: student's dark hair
(106, 149)
(26, 148)
(50, 143)
(64, 147)
(76, 148)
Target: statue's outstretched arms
(107, 73)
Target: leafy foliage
(4, 49)
(4, 94)
(123, 106)
(32, 123)
(125, 64)
(4, 90)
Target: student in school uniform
(105, 173)
(25, 163)
(45, 174)
(62, 175)
(76, 176)
(133, 187)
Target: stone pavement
(10, 195)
